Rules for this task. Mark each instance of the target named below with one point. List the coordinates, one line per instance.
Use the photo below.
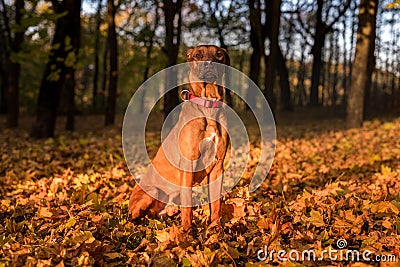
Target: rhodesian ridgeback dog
(194, 151)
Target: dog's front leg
(186, 199)
(214, 193)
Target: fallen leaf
(316, 218)
(44, 212)
(113, 255)
(384, 207)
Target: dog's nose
(208, 63)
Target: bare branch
(341, 13)
(306, 29)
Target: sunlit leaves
(316, 218)
(393, 5)
(384, 207)
(64, 201)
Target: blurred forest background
(323, 65)
(74, 57)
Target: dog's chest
(211, 126)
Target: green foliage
(70, 60)
(67, 43)
(33, 21)
(54, 74)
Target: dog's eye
(220, 55)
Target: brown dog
(193, 152)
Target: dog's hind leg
(139, 201)
(157, 207)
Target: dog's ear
(189, 56)
(227, 58)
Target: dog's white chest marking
(212, 136)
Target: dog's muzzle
(207, 72)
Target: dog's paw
(170, 211)
(134, 212)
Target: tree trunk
(256, 41)
(105, 72)
(54, 75)
(146, 72)
(113, 74)
(241, 59)
(273, 21)
(149, 50)
(328, 86)
(336, 71)
(393, 64)
(302, 96)
(353, 34)
(321, 30)
(286, 98)
(284, 59)
(70, 98)
(345, 73)
(316, 68)
(12, 92)
(371, 63)
(316, 51)
(172, 11)
(396, 110)
(14, 74)
(322, 78)
(375, 94)
(363, 62)
(11, 43)
(221, 38)
(397, 104)
(276, 59)
(71, 68)
(255, 60)
(228, 96)
(227, 76)
(96, 55)
(3, 101)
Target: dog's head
(204, 71)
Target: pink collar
(201, 101)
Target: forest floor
(63, 200)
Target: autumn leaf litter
(64, 202)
